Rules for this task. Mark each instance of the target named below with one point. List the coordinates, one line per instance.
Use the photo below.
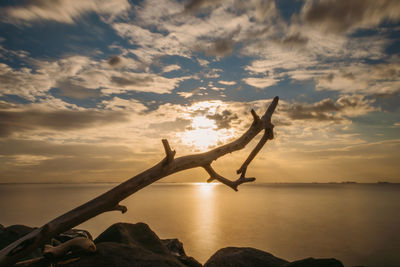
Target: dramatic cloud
(224, 119)
(58, 120)
(373, 79)
(62, 11)
(328, 110)
(344, 15)
(23, 82)
(80, 78)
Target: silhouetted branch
(168, 151)
(110, 200)
(232, 184)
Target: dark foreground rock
(127, 245)
(140, 246)
(117, 254)
(11, 233)
(14, 232)
(311, 262)
(235, 257)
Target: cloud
(51, 161)
(170, 68)
(197, 91)
(223, 119)
(145, 82)
(227, 82)
(220, 48)
(62, 11)
(196, 5)
(295, 40)
(212, 73)
(178, 125)
(69, 89)
(328, 110)
(12, 121)
(261, 82)
(23, 82)
(344, 16)
(361, 78)
(202, 62)
(114, 60)
(165, 30)
(80, 77)
(120, 104)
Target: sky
(89, 88)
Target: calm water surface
(355, 223)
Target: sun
(203, 132)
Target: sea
(359, 224)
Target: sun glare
(206, 188)
(203, 132)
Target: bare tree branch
(110, 200)
(233, 184)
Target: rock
(123, 255)
(14, 232)
(140, 236)
(237, 257)
(127, 245)
(11, 233)
(175, 247)
(311, 262)
(134, 235)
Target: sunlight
(203, 132)
(206, 188)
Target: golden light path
(203, 132)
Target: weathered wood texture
(110, 200)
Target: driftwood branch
(232, 184)
(109, 201)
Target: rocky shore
(124, 244)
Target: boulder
(11, 233)
(311, 262)
(134, 235)
(237, 257)
(142, 239)
(175, 247)
(123, 255)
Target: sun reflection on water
(206, 230)
(206, 189)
